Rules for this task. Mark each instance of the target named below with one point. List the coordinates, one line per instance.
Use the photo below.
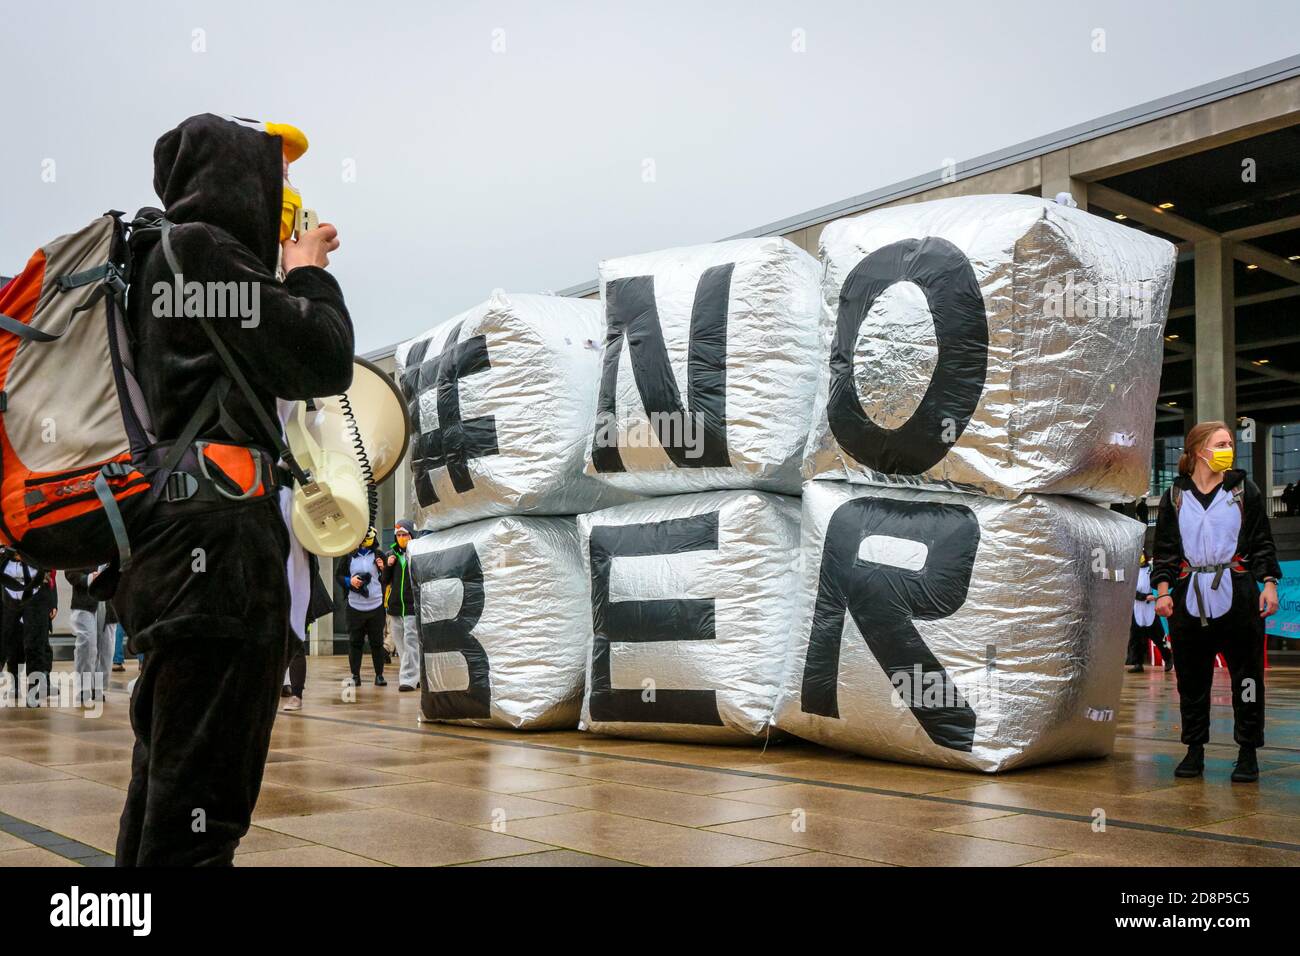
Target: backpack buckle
(180, 486)
(116, 469)
(114, 280)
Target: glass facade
(1164, 467)
(1286, 454)
(1166, 452)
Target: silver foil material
(1064, 400)
(1019, 659)
(691, 597)
(738, 324)
(501, 606)
(517, 375)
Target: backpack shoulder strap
(271, 430)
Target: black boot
(1246, 769)
(1193, 764)
(379, 681)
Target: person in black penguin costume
(29, 600)
(214, 632)
(1213, 548)
(1143, 626)
(360, 574)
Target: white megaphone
(346, 444)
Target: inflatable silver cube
(959, 630)
(710, 359)
(691, 598)
(501, 610)
(995, 344)
(502, 398)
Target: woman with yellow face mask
(1213, 549)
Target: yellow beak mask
(294, 143)
(289, 207)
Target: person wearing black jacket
(401, 606)
(29, 600)
(206, 596)
(1213, 548)
(360, 575)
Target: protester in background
(113, 637)
(318, 605)
(1213, 547)
(119, 651)
(390, 646)
(29, 602)
(360, 574)
(93, 646)
(401, 606)
(1144, 629)
(1291, 499)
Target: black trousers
(1239, 636)
(297, 666)
(25, 634)
(215, 638)
(1138, 636)
(363, 625)
(202, 714)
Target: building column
(1055, 178)
(1261, 452)
(1216, 346)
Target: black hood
(217, 171)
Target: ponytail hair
(1200, 433)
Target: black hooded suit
(206, 597)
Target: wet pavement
(361, 782)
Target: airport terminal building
(1215, 170)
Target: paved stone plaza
(363, 784)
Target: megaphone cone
(348, 444)
(381, 417)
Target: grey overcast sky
(513, 145)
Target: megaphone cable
(372, 492)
